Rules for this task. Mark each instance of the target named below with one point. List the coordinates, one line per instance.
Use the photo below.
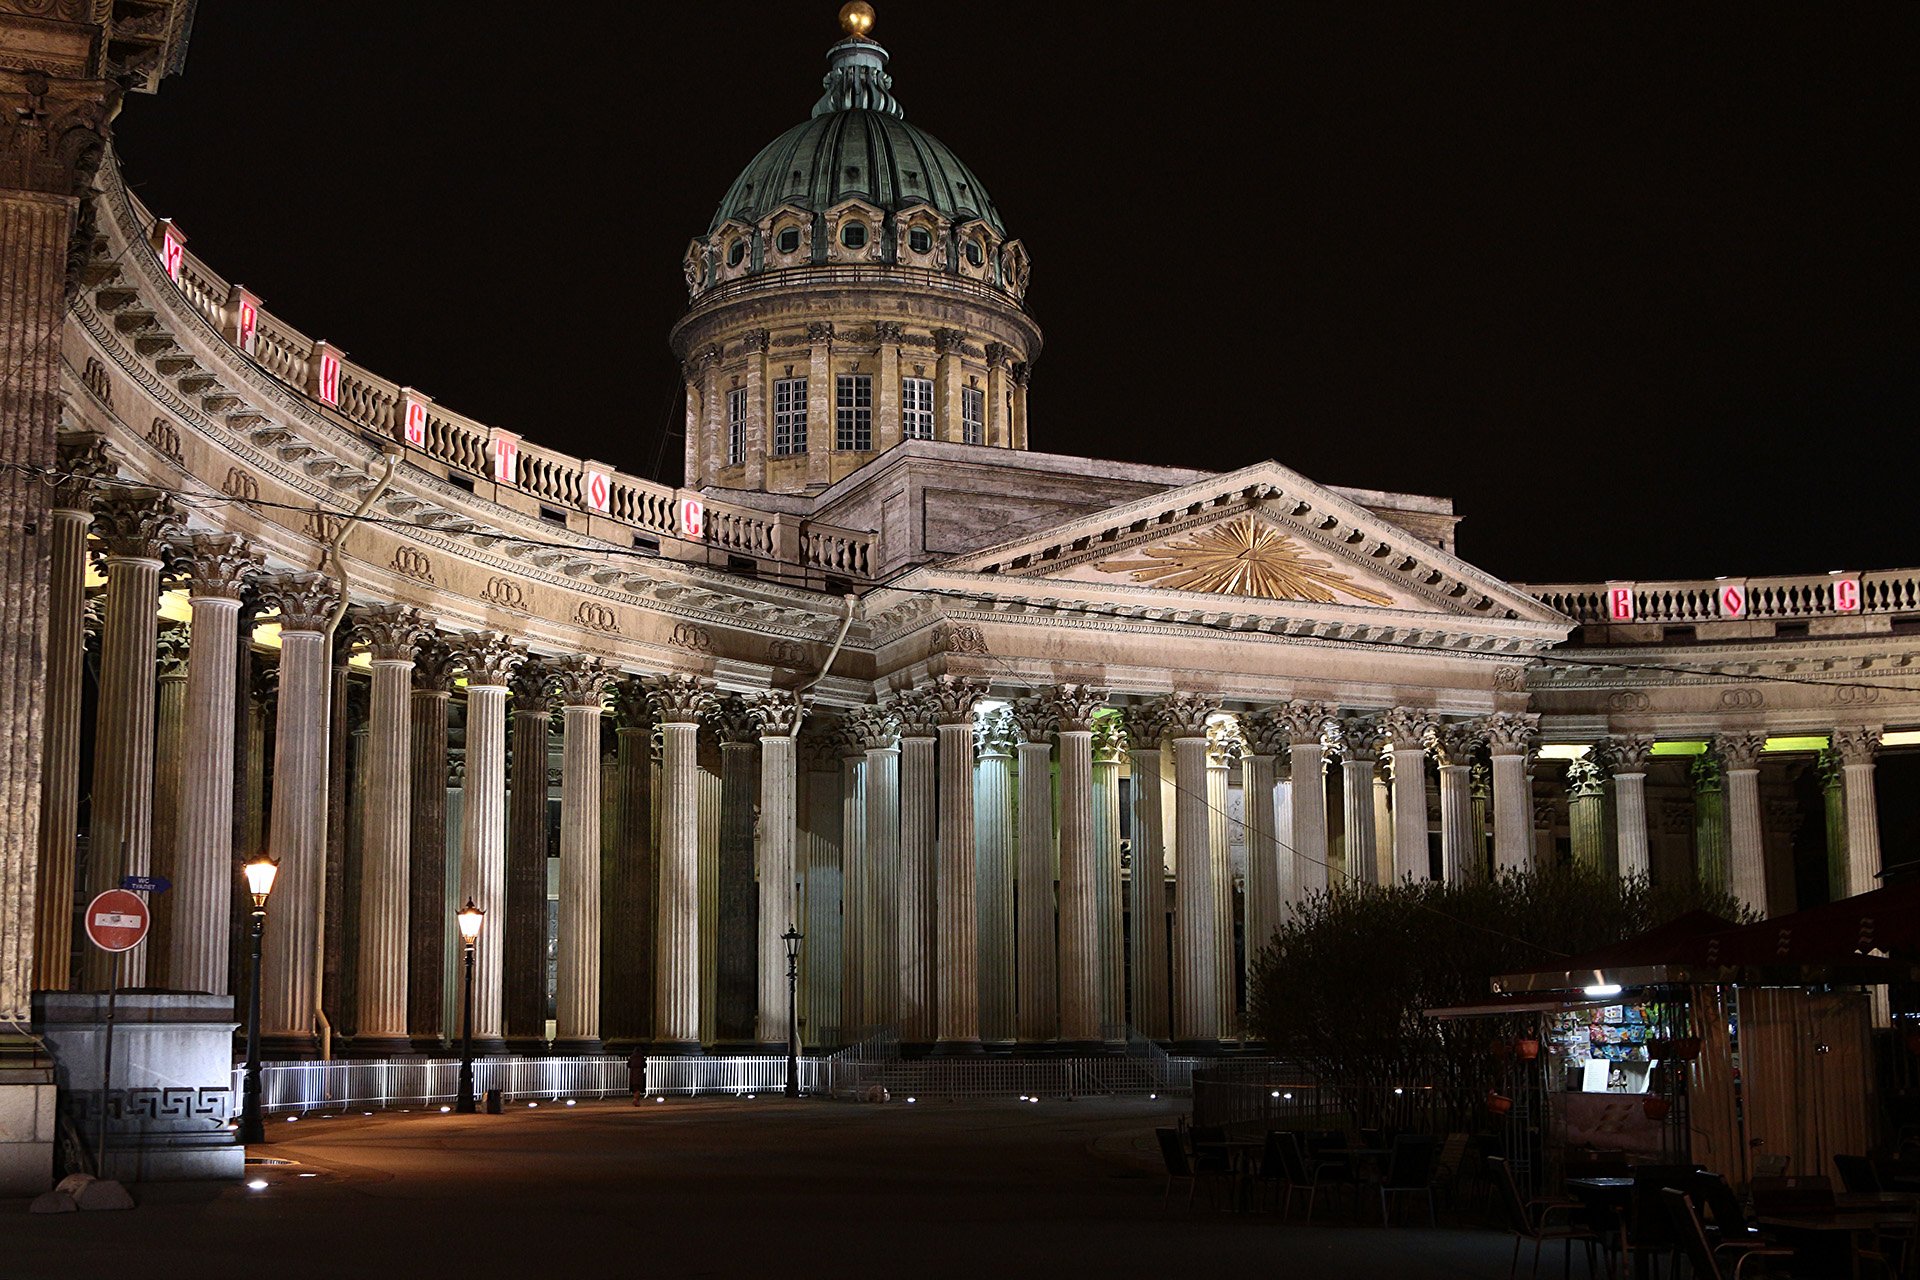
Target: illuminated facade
(1031, 748)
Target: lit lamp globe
(469, 918)
(260, 873)
(856, 19)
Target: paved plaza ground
(710, 1188)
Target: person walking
(637, 1073)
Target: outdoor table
(1823, 1224)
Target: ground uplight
(258, 1184)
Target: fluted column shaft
(1079, 944)
(203, 871)
(119, 841)
(881, 997)
(1512, 813)
(427, 881)
(1410, 812)
(577, 979)
(1037, 978)
(916, 925)
(736, 986)
(774, 854)
(1219, 840)
(677, 995)
(1363, 857)
(384, 908)
(1263, 854)
(1458, 861)
(1855, 748)
(1110, 908)
(957, 902)
(1630, 817)
(854, 961)
(1196, 972)
(297, 835)
(993, 833)
(60, 774)
(1748, 874)
(524, 975)
(629, 917)
(1309, 816)
(483, 849)
(1149, 915)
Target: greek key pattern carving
(176, 1106)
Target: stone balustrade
(1713, 600)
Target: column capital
(487, 657)
(303, 601)
(994, 732)
(1706, 773)
(777, 713)
(580, 680)
(872, 728)
(1454, 743)
(1741, 748)
(1628, 752)
(756, 340)
(433, 667)
(1856, 744)
(1226, 744)
(1109, 739)
(84, 462)
(1510, 733)
(219, 566)
(391, 631)
(1022, 374)
(1584, 779)
(1266, 733)
(1185, 714)
(819, 331)
(135, 523)
(949, 342)
(917, 713)
(631, 705)
(1033, 718)
(998, 354)
(953, 697)
(1305, 723)
(171, 652)
(1361, 738)
(1408, 728)
(531, 686)
(732, 722)
(680, 699)
(888, 331)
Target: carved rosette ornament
(390, 631)
(1584, 778)
(487, 657)
(732, 722)
(994, 733)
(433, 665)
(631, 706)
(1510, 733)
(84, 465)
(681, 699)
(1629, 753)
(918, 714)
(134, 523)
(953, 697)
(1407, 728)
(1305, 722)
(777, 713)
(1454, 743)
(1033, 719)
(531, 686)
(1074, 706)
(219, 566)
(303, 601)
(1109, 738)
(1740, 750)
(1856, 745)
(1185, 714)
(580, 680)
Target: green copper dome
(857, 145)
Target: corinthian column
(1747, 861)
(134, 525)
(218, 568)
(1359, 757)
(854, 963)
(679, 701)
(1407, 731)
(629, 915)
(489, 659)
(957, 901)
(580, 685)
(1710, 825)
(1269, 866)
(391, 632)
(1453, 748)
(1149, 876)
(297, 827)
(915, 927)
(524, 927)
(1508, 735)
(427, 923)
(880, 908)
(1226, 747)
(776, 714)
(169, 731)
(993, 832)
(1855, 746)
(1037, 977)
(1628, 755)
(736, 978)
(1109, 907)
(1074, 706)
(1306, 726)
(1196, 973)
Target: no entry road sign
(117, 920)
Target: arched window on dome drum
(789, 415)
(976, 253)
(736, 253)
(789, 240)
(972, 411)
(853, 412)
(920, 240)
(916, 408)
(854, 234)
(736, 426)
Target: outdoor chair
(1858, 1174)
(1410, 1170)
(1729, 1225)
(1709, 1263)
(1449, 1166)
(1189, 1169)
(1647, 1229)
(1299, 1174)
(1272, 1170)
(1535, 1221)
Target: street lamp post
(792, 938)
(469, 918)
(259, 873)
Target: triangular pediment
(1260, 534)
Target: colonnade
(968, 872)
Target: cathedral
(1032, 752)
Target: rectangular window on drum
(972, 412)
(853, 411)
(736, 426)
(789, 416)
(916, 408)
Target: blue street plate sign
(146, 884)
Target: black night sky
(1635, 290)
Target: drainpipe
(846, 625)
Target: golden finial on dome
(856, 19)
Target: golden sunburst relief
(1243, 557)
